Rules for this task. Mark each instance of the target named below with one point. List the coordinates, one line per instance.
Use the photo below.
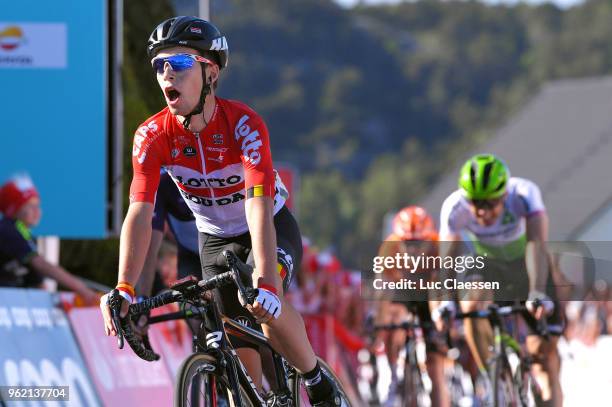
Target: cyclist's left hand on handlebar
(109, 328)
(539, 304)
(267, 305)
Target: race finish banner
(37, 348)
(54, 78)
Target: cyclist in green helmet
(503, 219)
(484, 177)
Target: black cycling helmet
(195, 33)
(189, 32)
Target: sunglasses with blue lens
(178, 62)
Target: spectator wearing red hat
(20, 263)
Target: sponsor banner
(33, 45)
(120, 377)
(54, 60)
(37, 347)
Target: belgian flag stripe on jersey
(281, 270)
(254, 191)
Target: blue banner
(53, 76)
(37, 348)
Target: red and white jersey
(214, 169)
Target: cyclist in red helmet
(217, 152)
(414, 223)
(414, 233)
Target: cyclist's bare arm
(260, 218)
(135, 239)
(133, 246)
(64, 278)
(536, 252)
(145, 282)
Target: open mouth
(172, 94)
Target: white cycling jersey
(505, 239)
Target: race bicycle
(414, 389)
(213, 374)
(509, 368)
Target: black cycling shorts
(289, 256)
(188, 264)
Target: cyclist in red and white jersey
(217, 152)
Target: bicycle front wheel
(199, 384)
(413, 391)
(505, 390)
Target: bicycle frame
(503, 340)
(218, 329)
(213, 337)
(411, 361)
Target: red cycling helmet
(414, 223)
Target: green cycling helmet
(484, 176)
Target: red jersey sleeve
(146, 163)
(251, 137)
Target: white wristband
(126, 296)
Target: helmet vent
(473, 174)
(501, 186)
(486, 174)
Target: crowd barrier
(43, 344)
(38, 348)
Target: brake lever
(114, 302)
(248, 294)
